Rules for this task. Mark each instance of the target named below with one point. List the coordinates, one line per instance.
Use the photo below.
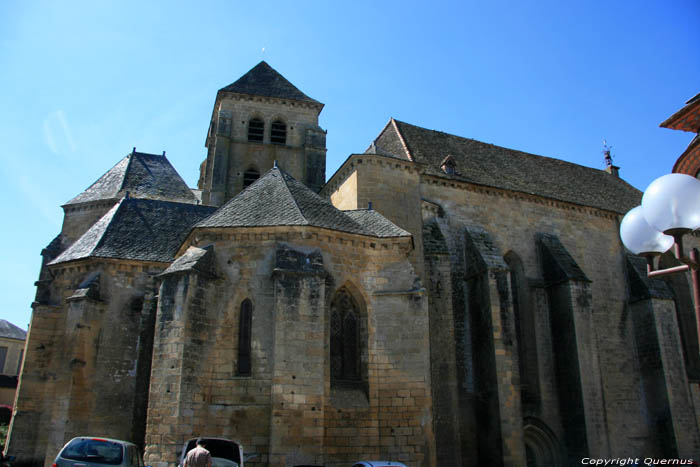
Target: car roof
(102, 438)
(381, 463)
(214, 438)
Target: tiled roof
(374, 222)
(138, 229)
(490, 165)
(278, 199)
(687, 118)
(10, 331)
(263, 80)
(143, 175)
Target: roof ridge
(117, 207)
(126, 169)
(286, 185)
(402, 140)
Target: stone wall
(288, 411)
(87, 363)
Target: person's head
(201, 442)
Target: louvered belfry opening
(256, 130)
(249, 176)
(345, 339)
(278, 132)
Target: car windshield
(98, 451)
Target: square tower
(260, 119)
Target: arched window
(278, 132)
(249, 176)
(345, 339)
(244, 336)
(256, 130)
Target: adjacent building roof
(687, 118)
(495, 166)
(137, 229)
(143, 175)
(278, 199)
(10, 331)
(263, 80)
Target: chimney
(613, 170)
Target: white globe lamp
(641, 238)
(671, 204)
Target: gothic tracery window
(345, 339)
(244, 338)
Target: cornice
(200, 237)
(271, 100)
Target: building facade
(438, 301)
(11, 355)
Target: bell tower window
(249, 176)
(256, 130)
(278, 133)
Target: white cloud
(57, 134)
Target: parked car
(379, 464)
(224, 452)
(89, 451)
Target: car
(224, 452)
(91, 451)
(378, 464)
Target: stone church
(437, 301)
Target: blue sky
(84, 82)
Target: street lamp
(670, 209)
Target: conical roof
(143, 175)
(263, 80)
(278, 199)
(137, 229)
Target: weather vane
(606, 152)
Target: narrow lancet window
(244, 338)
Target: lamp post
(670, 209)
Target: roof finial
(133, 151)
(369, 205)
(163, 153)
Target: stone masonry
(437, 301)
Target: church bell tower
(260, 119)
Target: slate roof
(144, 176)
(10, 331)
(194, 259)
(277, 199)
(495, 166)
(138, 229)
(377, 224)
(263, 80)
